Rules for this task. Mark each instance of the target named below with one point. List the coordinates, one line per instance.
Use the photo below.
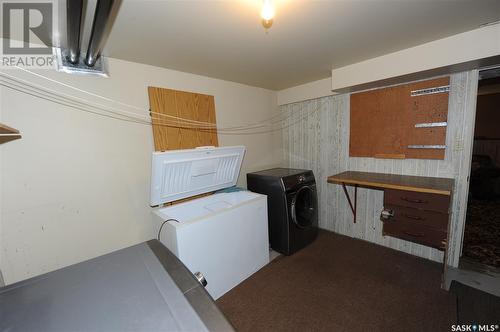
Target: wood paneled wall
(320, 141)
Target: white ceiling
(224, 39)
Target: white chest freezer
(224, 236)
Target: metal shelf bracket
(353, 207)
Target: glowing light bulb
(267, 13)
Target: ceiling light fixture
(267, 14)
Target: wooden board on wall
(169, 135)
(382, 122)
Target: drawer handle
(409, 216)
(414, 234)
(419, 201)
(386, 214)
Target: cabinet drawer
(424, 201)
(431, 219)
(415, 233)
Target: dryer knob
(302, 178)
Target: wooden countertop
(442, 186)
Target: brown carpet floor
(342, 284)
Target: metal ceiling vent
(73, 59)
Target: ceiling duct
(74, 9)
(73, 59)
(101, 27)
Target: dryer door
(304, 206)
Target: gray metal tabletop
(140, 288)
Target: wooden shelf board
(7, 130)
(8, 138)
(442, 186)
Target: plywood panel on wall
(383, 121)
(168, 133)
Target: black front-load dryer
(292, 205)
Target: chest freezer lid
(180, 174)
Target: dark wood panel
(434, 220)
(375, 123)
(410, 231)
(417, 200)
(383, 121)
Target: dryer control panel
(291, 182)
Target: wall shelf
(8, 134)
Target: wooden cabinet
(416, 208)
(416, 233)
(417, 200)
(417, 217)
(425, 218)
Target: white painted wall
(77, 185)
(308, 91)
(468, 50)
